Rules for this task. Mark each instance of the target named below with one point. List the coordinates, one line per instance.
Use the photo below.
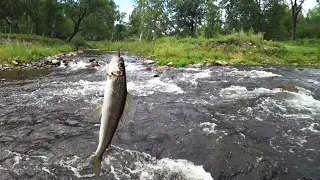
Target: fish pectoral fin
(97, 112)
(128, 112)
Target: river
(214, 123)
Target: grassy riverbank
(237, 48)
(23, 48)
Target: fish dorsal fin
(128, 112)
(97, 113)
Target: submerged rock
(170, 64)
(149, 68)
(289, 87)
(208, 64)
(162, 68)
(95, 63)
(92, 60)
(220, 63)
(65, 62)
(55, 62)
(80, 52)
(146, 62)
(198, 65)
(15, 63)
(71, 54)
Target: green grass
(29, 38)
(237, 48)
(24, 52)
(23, 48)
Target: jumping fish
(115, 108)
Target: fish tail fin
(96, 162)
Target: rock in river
(220, 63)
(289, 87)
(162, 68)
(199, 65)
(16, 63)
(55, 62)
(170, 64)
(149, 68)
(148, 62)
(92, 60)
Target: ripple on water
(314, 127)
(146, 88)
(193, 77)
(253, 74)
(124, 164)
(233, 92)
(302, 102)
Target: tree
(277, 13)
(212, 19)
(78, 10)
(120, 27)
(296, 6)
(313, 23)
(11, 12)
(52, 16)
(187, 16)
(100, 24)
(152, 18)
(244, 14)
(35, 11)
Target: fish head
(116, 67)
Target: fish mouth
(116, 74)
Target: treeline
(276, 19)
(152, 19)
(92, 19)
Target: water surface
(216, 123)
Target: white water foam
(133, 67)
(148, 167)
(184, 168)
(313, 82)
(146, 88)
(70, 90)
(73, 66)
(304, 102)
(193, 77)
(3, 168)
(312, 128)
(48, 171)
(76, 170)
(233, 92)
(209, 127)
(140, 166)
(253, 74)
(17, 157)
(83, 88)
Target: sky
(127, 6)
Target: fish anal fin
(128, 112)
(97, 112)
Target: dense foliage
(152, 19)
(237, 48)
(64, 19)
